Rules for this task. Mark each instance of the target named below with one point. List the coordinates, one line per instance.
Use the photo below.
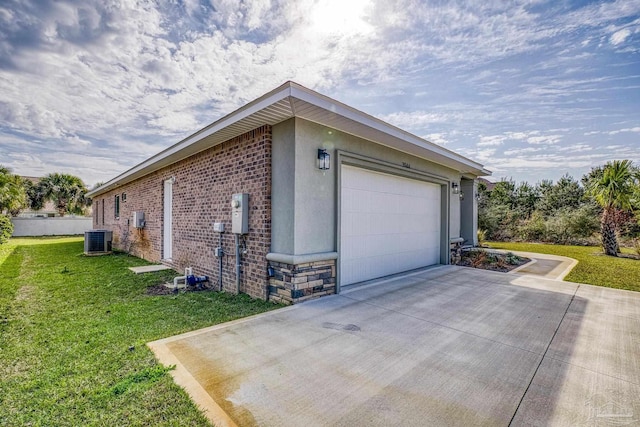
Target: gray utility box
(240, 213)
(138, 219)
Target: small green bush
(482, 236)
(512, 259)
(6, 228)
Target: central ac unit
(97, 242)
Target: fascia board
(293, 91)
(148, 165)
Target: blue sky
(531, 89)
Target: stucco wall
(315, 224)
(204, 184)
(469, 212)
(283, 187)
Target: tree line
(17, 194)
(604, 204)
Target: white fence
(23, 227)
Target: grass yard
(593, 267)
(73, 331)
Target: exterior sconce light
(478, 196)
(455, 188)
(324, 159)
(461, 195)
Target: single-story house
(330, 195)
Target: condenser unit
(97, 242)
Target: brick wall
(202, 193)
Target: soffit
(292, 100)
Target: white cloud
(544, 139)
(520, 151)
(414, 119)
(481, 155)
(575, 148)
(490, 141)
(76, 140)
(436, 138)
(619, 36)
(550, 161)
(634, 129)
(521, 135)
(495, 140)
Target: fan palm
(13, 197)
(66, 191)
(612, 188)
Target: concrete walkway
(149, 268)
(446, 346)
(548, 266)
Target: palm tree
(66, 191)
(612, 187)
(35, 198)
(13, 197)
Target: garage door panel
(389, 224)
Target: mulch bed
(491, 261)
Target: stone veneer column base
(295, 280)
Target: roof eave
(147, 166)
(288, 95)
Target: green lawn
(593, 267)
(73, 331)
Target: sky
(532, 90)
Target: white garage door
(389, 224)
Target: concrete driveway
(446, 346)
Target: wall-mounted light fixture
(455, 188)
(324, 159)
(478, 196)
(462, 195)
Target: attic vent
(97, 242)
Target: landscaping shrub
(583, 222)
(477, 258)
(482, 236)
(559, 227)
(534, 228)
(512, 259)
(486, 260)
(562, 212)
(6, 228)
(566, 226)
(498, 222)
